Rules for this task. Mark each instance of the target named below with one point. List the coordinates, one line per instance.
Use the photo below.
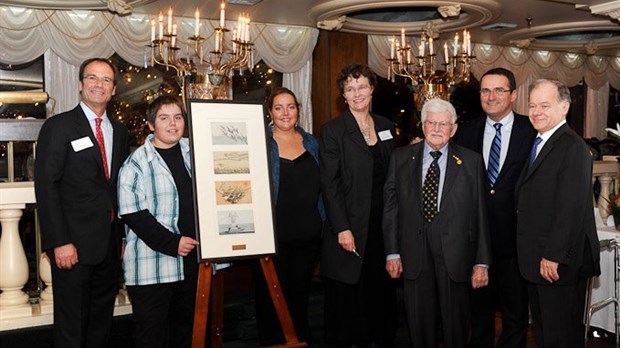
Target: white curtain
(300, 82)
(598, 72)
(69, 37)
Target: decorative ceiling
(582, 26)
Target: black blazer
(501, 198)
(461, 219)
(346, 180)
(555, 215)
(73, 198)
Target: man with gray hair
(557, 243)
(435, 228)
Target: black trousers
(557, 312)
(163, 314)
(507, 291)
(433, 298)
(294, 266)
(84, 301)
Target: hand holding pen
(347, 241)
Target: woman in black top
(360, 298)
(295, 181)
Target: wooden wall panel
(333, 52)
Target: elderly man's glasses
(442, 125)
(496, 91)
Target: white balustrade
(604, 172)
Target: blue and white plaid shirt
(145, 183)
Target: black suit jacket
(73, 198)
(346, 179)
(501, 198)
(555, 215)
(461, 218)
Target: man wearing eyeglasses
(504, 139)
(435, 228)
(79, 154)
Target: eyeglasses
(442, 125)
(94, 79)
(496, 90)
(361, 89)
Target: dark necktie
(496, 146)
(537, 142)
(430, 188)
(101, 142)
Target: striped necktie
(496, 147)
(537, 142)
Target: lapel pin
(458, 160)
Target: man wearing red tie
(79, 153)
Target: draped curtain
(527, 65)
(67, 38)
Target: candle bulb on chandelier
(430, 45)
(234, 44)
(392, 47)
(222, 15)
(456, 44)
(174, 29)
(196, 23)
(402, 37)
(161, 26)
(247, 29)
(152, 30)
(445, 52)
(170, 20)
(408, 55)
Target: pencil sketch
(229, 133)
(235, 221)
(233, 192)
(231, 162)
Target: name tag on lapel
(385, 135)
(81, 144)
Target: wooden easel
(202, 307)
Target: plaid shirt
(145, 183)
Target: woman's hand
(347, 241)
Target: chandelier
(203, 74)
(420, 66)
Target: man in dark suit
(435, 228)
(557, 244)
(504, 138)
(75, 186)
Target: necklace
(366, 133)
(365, 130)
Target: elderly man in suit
(79, 154)
(557, 244)
(504, 139)
(435, 228)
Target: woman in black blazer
(354, 153)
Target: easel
(202, 306)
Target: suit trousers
(84, 301)
(507, 291)
(433, 298)
(557, 312)
(163, 314)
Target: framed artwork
(231, 180)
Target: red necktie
(101, 143)
(104, 158)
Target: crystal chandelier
(420, 66)
(203, 74)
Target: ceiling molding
(565, 28)
(70, 4)
(473, 13)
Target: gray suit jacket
(461, 219)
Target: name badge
(81, 144)
(385, 135)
